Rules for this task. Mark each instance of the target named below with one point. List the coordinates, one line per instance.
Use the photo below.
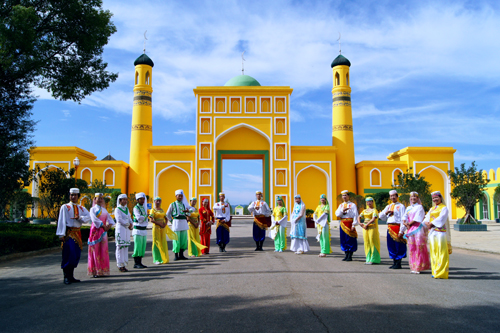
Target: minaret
(142, 127)
(342, 132)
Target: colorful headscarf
(96, 198)
(326, 199)
(371, 199)
(416, 194)
(157, 199)
(279, 198)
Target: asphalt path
(247, 291)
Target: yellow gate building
(244, 120)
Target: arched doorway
(244, 142)
(169, 180)
(311, 183)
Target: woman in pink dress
(416, 235)
(98, 238)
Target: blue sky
(424, 73)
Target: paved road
(247, 291)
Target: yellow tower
(142, 126)
(342, 132)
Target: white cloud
(182, 132)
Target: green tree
(51, 44)
(20, 202)
(409, 182)
(53, 187)
(359, 200)
(16, 127)
(98, 186)
(468, 186)
(496, 194)
(381, 199)
(56, 45)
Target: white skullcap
(297, 196)
(184, 199)
(393, 192)
(97, 195)
(74, 190)
(121, 196)
(436, 193)
(344, 192)
(414, 193)
(140, 195)
(258, 192)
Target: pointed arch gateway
(255, 146)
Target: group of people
(405, 225)
(191, 230)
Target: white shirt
(177, 224)
(352, 213)
(121, 218)
(142, 221)
(95, 220)
(66, 218)
(218, 210)
(419, 212)
(262, 208)
(396, 218)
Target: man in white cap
(222, 212)
(122, 232)
(140, 229)
(71, 217)
(177, 214)
(261, 219)
(396, 244)
(348, 214)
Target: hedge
(23, 237)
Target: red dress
(206, 220)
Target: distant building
(238, 210)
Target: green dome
(341, 61)
(242, 81)
(144, 60)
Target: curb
(20, 255)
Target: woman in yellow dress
(160, 231)
(322, 221)
(194, 245)
(438, 223)
(370, 232)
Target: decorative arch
(394, 175)
(250, 106)
(147, 78)
(446, 183)
(136, 78)
(90, 178)
(84, 197)
(104, 177)
(157, 178)
(229, 130)
(337, 79)
(347, 79)
(327, 176)
(375, 178)
(483, 205)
